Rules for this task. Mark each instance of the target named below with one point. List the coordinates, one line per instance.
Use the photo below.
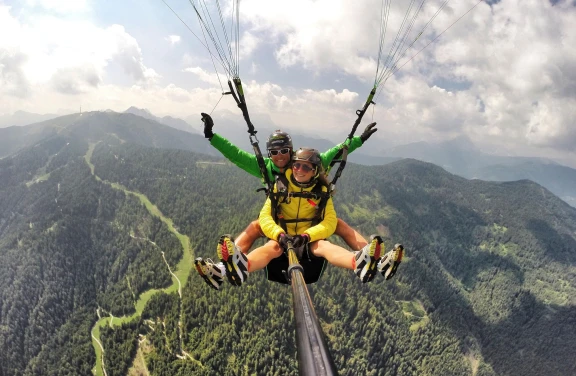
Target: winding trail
(166, 262)
(102, 353)
(182, 271)
(173, 275)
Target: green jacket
(247, 161)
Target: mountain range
(458, 156)
(20, 118)
(102, 214)
(461, 157)
(166, 120)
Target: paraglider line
(423, 48)
(222, 96)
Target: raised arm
(353, 144)
(246, 161)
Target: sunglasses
(302, 166)
(281, 151)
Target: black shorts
(313, 266)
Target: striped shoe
(235, 262)
(390, 261)
(367, 258)
(213, 274)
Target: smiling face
(303, 171)
(280, 157)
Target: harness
(283, 196)
(312, 266)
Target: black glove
(208, 124)
(368, 132)
(283, 240)
(390, 261)
(301, 240)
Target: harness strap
(342, 161)
(308, 195)
(282, 195)
(297, 220)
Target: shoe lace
(215, 265)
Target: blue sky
(504, 76)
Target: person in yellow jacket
(296, 218)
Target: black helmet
(279, 140)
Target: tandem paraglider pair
(298, 210)
(300, 238)
(222, 44)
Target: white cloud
(254, 68)
(331, 96)
(301, 110)
(248, 44)
(515, 62)
(173, 39)
(322, 34)
(75, 80)
(60, 6)
(412, 111)
(547, 123)
(211, 78)
(68, 55)
(126, 51)
(505, 75)
(523, 69)
(12, 78)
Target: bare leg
(246, 239)
(350, 236)
(334, 254)
(261, 256)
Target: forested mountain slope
(137, 126)
(112, 127)
(461, 157)
(487, 287)
(67, 245)
(560, 180)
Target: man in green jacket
(280, 148)
(277, 141)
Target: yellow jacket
(298, 207)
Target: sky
(502, 75)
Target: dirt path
(173, 275)
(166, 262)
(182, 271)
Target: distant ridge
(461, 157)
(98, 125)
(458, 156)
(20, 118)
(166, 120)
